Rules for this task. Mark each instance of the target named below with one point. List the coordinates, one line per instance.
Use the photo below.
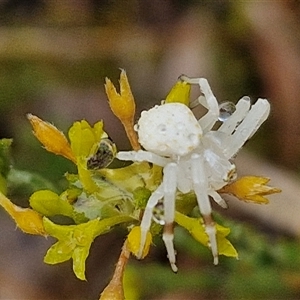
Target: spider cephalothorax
(193, 156)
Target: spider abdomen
(169, 129)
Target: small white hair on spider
(193, 156)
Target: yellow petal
(179, 93)
(83, 136)
(133, 241)
(26, 219)
(85, 176)
(53, 139)
(250, 188)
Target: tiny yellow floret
(28, 220)
(250, 188)
(179, 93)
(53, 140)
(133, 241)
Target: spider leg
(147, 216)
(141, 155)
(170, 184)
(201, 190)
(217, 198)
(209, 101)
(242, 108)
(256, 116)
(167, 190)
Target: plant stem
(114, 290)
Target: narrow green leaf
(79, 256)
(59, 252)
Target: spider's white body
(193, 157)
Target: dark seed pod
(103, 156)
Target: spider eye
(103, 156)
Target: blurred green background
(54, 57)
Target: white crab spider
(193, 157)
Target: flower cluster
(98, 198)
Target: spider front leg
(167, 190)
(170, 185)
(142, 155)
(147, 216)
(200, 184)
(209, 101)
(242, 108)
(258, 113)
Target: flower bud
(53, 139)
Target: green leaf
(73, 241)
(24, 182)
(79, 257)
(59, 253)
(50, 204)
(185, 203)
(197, 230)
(141, 196)
(94, 206)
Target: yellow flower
(83, 139)
(28, 220)
(123, 106)
(250, 188)
(180, 93)
(133, 241)
(53, 139)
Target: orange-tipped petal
(53, 140)
(122, 104)
(28, 220)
